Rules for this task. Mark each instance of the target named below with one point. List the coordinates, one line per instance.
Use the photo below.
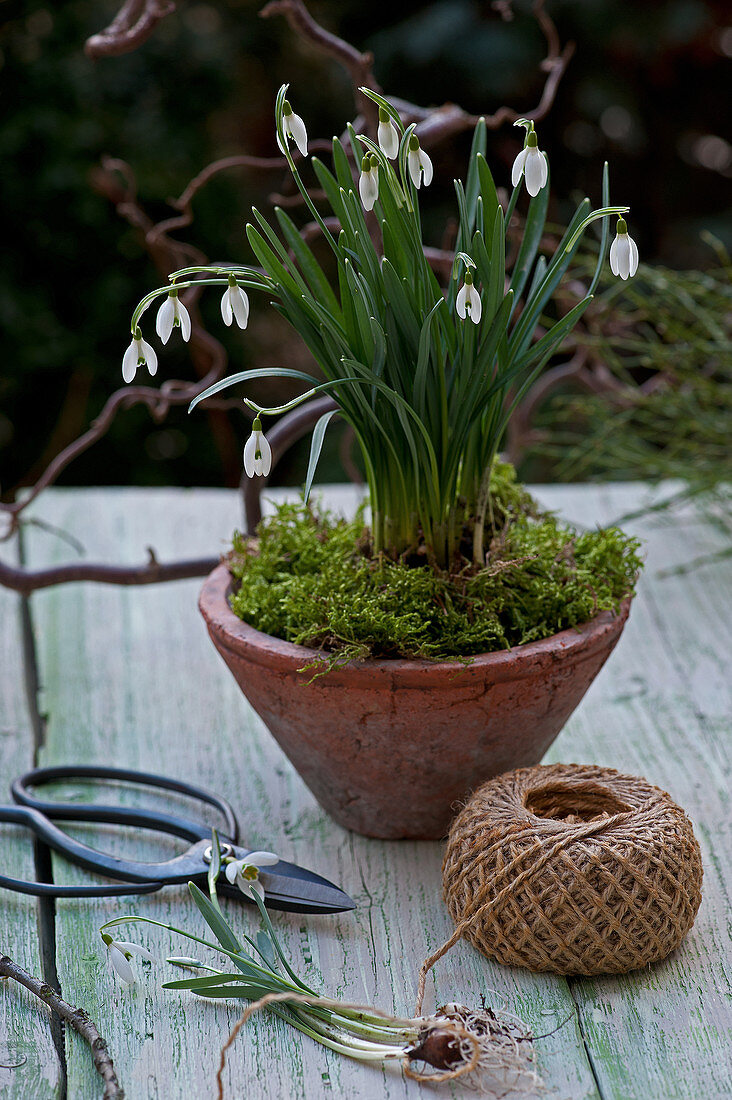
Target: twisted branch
(359, 66)
(131, 27)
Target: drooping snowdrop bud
(418, 163)
(173, 313)
(235, 304)
(531, 163)
(368, 184)
(295, 128)
(257, 452)
(468, 300)
(120, 953)
(137, 355)
(623, 252)
(387, 135)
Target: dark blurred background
(646, 90)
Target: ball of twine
(571, 869)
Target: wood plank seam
(42, 863)
(585, 1042)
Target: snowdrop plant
(427, 375)
(455, 1040)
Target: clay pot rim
(240, 638)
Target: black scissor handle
(60, 841)
(123, 815)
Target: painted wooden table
(128, 677)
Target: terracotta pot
(389, 747)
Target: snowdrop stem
(234, 955)
(275, 410)
(275, 941)
(384, 105)
(239, 271)
(464, 259)
(259, 284)
(285, 149)
(603, 212)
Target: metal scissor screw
(225, 849)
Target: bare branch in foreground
(77, 1018)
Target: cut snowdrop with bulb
(452, 1042)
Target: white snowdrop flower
(235, 304)
(295, 128)
(368, 184)
(171, 314)
(120, 952)
(468, 300)
(137, 355)
(418, 163)
(531, 163)
(387, 135)
(244, 873)
(623, 252)
(257, 460)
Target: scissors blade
(295, 890)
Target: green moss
(309, 579)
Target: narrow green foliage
(428, 389)
(310, 579)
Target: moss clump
(308, 579)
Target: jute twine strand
(530, 882)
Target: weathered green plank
(130, 678)
(25, 1033)
(662, 709)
